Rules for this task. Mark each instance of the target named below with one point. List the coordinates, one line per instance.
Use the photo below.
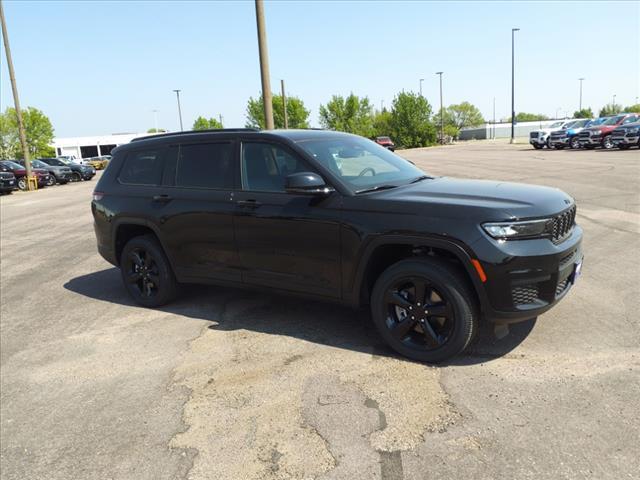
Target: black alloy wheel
(424, 309)
(142, 272)
(76, 177)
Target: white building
(86, 147)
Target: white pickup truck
(540, 138)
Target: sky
(102, 67)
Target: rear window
(143, 167)
(205, 165)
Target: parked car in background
(7, 182)
(385, 142)
(600, 135)
(567, 137)
(78, 172)
(99, 163)
(70, 159)
(626, 136)
(540, 138)
(57, 174)
(21, 173)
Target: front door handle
(162, 198)
(248, 203)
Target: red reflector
(97, 196)
(481, 274)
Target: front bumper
(626, 140)
(525, 278)
(8, 185)
(540, 141)
(595, 140)
(562, 141)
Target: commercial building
(502, 130)
(86, 147)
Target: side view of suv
(600, 135)
(335, 217)
(568, 137)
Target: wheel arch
(126, 228)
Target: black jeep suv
(337, 217)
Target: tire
(432, 338)
(146, 272)
(22, 183)
(52, 181)
(607, 143)
(76, 177)
(548, 143)
(574, 143)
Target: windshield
(579, 123)
(56, 162)
(556, 124)
(38, 164)
(597, 121)
(613, 120)
(12, 165)
(361, 163)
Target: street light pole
(179, 109)
(614, 101)
(494, 118)
(421, 80)
(155, 119)
(16, 99)
(581, 79)
(264, 65)
(513, 75)
(441, 111)
(284, 105)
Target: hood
(491, 200)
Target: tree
(610, 109)
(352, 114)
(297, 115)
(38, 131)
(156, 130)
(410, 121)
(202, 123)
(529, 117)
(382, 124)
(584, 113)
(633, 108)
(461, 116)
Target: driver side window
(265, 166)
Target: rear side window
(205, 165)
(143, 167)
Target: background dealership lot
(232, 384)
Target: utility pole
(441, 111)
(179, 109)
(513, 75)
(581, 80)
(284, 105)
(421, 80)
(16, 99)
(494, 118)
(220, 116)
(264, 65)
(155, 119)
(614, 101)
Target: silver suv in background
(540, 138)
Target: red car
(386, 142)
(21, 174)
(600, 135)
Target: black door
(197, 214)
(285, 241)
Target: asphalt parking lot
(229, 384)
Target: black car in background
(8, 182)
(335, 216)
(57, 174)
(78, 172)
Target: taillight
(97, 196)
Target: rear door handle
(162, 198)
(248, 203)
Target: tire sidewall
(451, 287)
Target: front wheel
(146, 272)
(51, 181)
(607, 143)
(575, 143)
(76, 177)
(536, 146)
(548, 143)
(424, 310)
(22, 183)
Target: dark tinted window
(265, 166)
(142, 168)
(205, 165)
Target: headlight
(515, 230)
(596, 132)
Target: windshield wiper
(420, 178)
(375, 189)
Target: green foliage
(382, 124)
(451, 131)
(584, 113)
(632, 108)
(410, 121)
(297, 115)
(610, 109)
(352, 114)
(158, 130)
(38, 131)
(528, 117)
(202, 123)
(460, 116)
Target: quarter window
(205, 165)
(142, 168)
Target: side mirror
(306, 183)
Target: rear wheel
(146, 272)
(574, 143)
(424, 310)
(76, 177)
(51, 181)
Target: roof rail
(188, 132)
